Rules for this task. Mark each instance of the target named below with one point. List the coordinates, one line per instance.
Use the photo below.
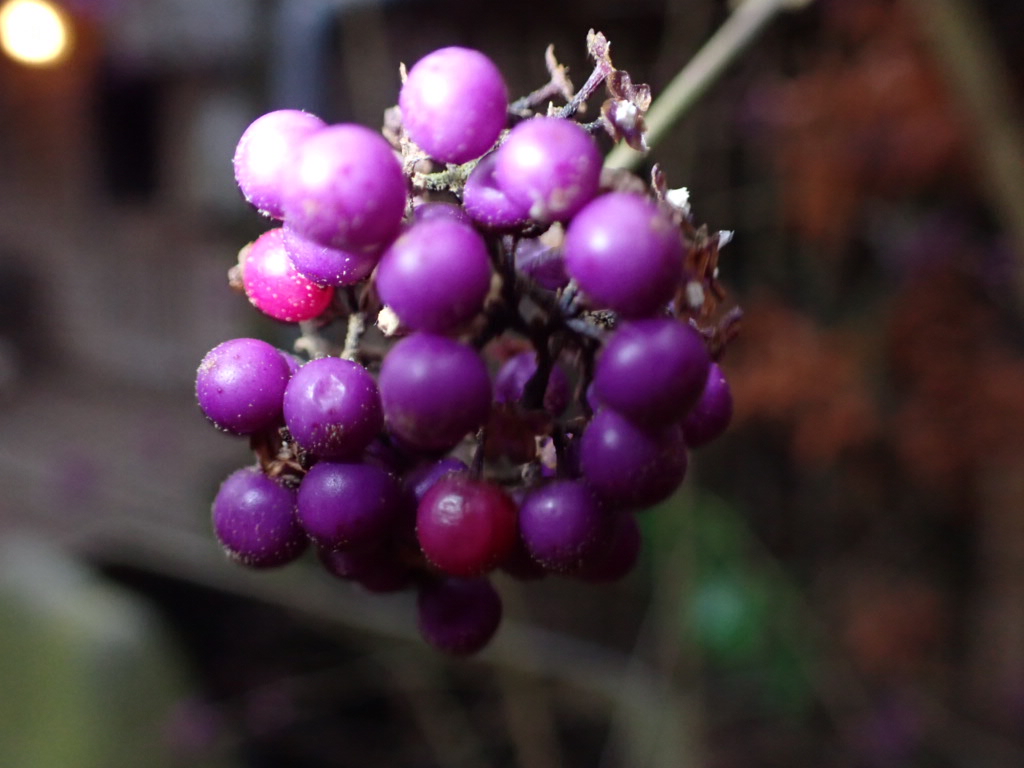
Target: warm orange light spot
(34, 32)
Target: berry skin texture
(487, 204)
(239, 385)
(652, 370)
(345, 189)
(345, 505)
(254, 520)
(458, 616)
(550, 166)
(435, 276)
(466, 527)
(274, 286)
(625, 253)
(561, 523)
(434, 390)
(324, 265)
(454, 104)
(265, 150)
(332, 408)
(629, 466)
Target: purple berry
(266, 149)
(458, 616)
(630, 466)
(332, 408)
(345, 189)
(652, 370)
(274, 286)
(348, 505)
(466, 527)
(325, 265)
(254, 520)
(434, 390)
(454, 104)
(549, 165)
(240, 384)
(561, 523)
(516, 372)
(712, 413)
(625, 253)
(435, 276)
(487, 204)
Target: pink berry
(275, 287)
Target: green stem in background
(724, 47)
(963, 46)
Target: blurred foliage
(90, 679)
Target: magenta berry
(435, 276)
(625, 253)
(345, 189)
(487, 204)
(516, 372)
(549, 166)
(454, 104)
(265, 150)
(275, 287)
(325, 265)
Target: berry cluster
(528, 349)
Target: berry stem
(476, 464)
(558, 85)
(354, 336)
(451, 179)
(310, 341)
(599, 49)
(730, 40)
(537, 385)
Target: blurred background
(840, 582)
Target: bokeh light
(34, 32)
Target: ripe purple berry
(332, 408)
(549, 166)
(254, 520)
(454, 104)
(240, 385)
